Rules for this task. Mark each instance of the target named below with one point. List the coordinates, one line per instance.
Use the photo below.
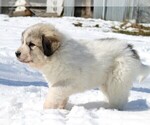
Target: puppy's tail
(144, 72)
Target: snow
(23, 90)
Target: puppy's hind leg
(119, 84)
(115, 93)
(118, 96)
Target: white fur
(81, 65)
(78, 65)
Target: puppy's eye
(31, 45)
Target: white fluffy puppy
(71, 66)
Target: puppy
(71, 66)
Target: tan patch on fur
(34, 34)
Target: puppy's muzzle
(18, 53)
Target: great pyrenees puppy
(71, 66)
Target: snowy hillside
(23, 90)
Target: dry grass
(139, 29)
(78, 24)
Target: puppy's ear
(50, 45)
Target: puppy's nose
(18, 53)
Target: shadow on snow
(146, 90)
(21, 83)
(135, 105)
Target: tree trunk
(87, 12)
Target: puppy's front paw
(55, 105)
(48, 105)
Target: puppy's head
(39, 42)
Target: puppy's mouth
(26, 61)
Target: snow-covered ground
(23, 90)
